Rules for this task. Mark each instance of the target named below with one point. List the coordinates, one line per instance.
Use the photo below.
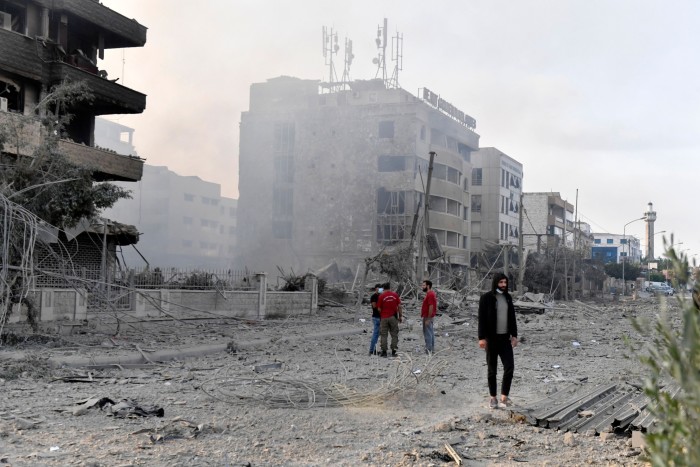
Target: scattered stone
(569, 439)
(638, 440)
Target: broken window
(391, 163)
(391, 202)
(477, 176)
(386, 129)
(438, 204)
(391, 228)
(464, 151)
(476, 203)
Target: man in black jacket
(498, 334)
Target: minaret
(651, 217)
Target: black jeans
(500, 346)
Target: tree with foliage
(46, 184)
(632, 271)
(44, 187)
(673, 359)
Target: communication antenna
(349, 56)
(380, 59)
(397, 58)
(330, 48)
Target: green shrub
(674, 361)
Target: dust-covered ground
(304, 391)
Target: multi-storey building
(497, 184)
(336, 177)
(183, 221)
(44, 43)
(548, 221)
(613, 248)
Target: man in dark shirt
(375, 319)
(498, 334)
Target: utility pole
(426, 224)
(573, 267)
(521, 253)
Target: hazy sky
(602, 96)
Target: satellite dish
(375, 61)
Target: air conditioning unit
(3, 104)
(5, 21)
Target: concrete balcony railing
(25, 135)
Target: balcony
(109, 97)
(107, 165)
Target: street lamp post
(624, 239)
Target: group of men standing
(497, 329)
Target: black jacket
(487, 316)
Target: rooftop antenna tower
(380, 59)
(330, 48)
(349, 56)
(397, 58)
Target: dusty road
(280, 398)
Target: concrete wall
(68, 305)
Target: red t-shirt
(388, 303)
(430, 299)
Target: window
(284, 138)
(284, 169)
(187, 243)
(609, 241)
(453, 207)
(189, 197)
(623, 241)
(476, 203)
(476, 176)
(466, 213)
(438, 204)
(232, 212)
(453, 175)
(391, 163)
(452, 239)
(391, 202)
(437, 138)
(232, 230)
(597, 241)
(422, 133)
(386, 129)
(187, 220)
(465, 152)
(440, 171)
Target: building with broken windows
(45, 43)
(337, 177)
(497, 184)
(549, 223)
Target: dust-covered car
(661, 289)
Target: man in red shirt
(427, 313)
(390, 312)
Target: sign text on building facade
(448, 109)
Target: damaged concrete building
(44, 43)
(497, 186)
(335, 177)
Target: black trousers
(500, 346)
